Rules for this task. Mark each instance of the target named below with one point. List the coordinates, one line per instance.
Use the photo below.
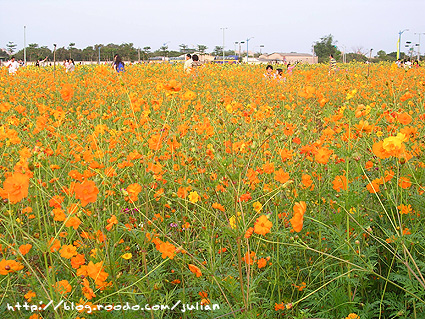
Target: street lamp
(25, 47)
(399, 41)
(419, 45)
(223, 42)
(242, 42)
(261, 46)
(247, 52)
(54, 60)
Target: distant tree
(146, 52)
(88, 54)
(218, 50)
(355, 57)
(382, 55)
(183, 48)
(164, 50)
(71, 48)
(11, 47)
(201, 48)
(393, 56)
(325, 47)
(3, 54)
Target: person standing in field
(290, 67)
(12, 65)
(188, 63)
(195, 61)
(269, 72)
(71, 66)
(118, 64)
(40, 62)
(332, 64)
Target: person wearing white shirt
(188, 63)
(12, 65)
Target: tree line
(101, 52)
(327, 45)
(323, 48)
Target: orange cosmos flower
(218, 206)
(297, 219)
(249, 232)
(68, 251)
(87, 291)
(8, 266)
(111, 222)
(59, 215)
(340, 183)
(279, 306)
(404, 118)
(73, 222)
(262, 262)
(404, 182)
(167, 250)
(307, 181)
(322, 155)
(249, 257)
(86, 192)
(379, 151)
(15, 187)
(24, 249)
(29, 295)
(281, 176)
(77, 261)
(63, 287)
(373, 187)
(54, 244)
(405, 209)
(173, 86)
(56, 201)
(133, 191)
(393, 145)
(96, 271)
(195, 270)
(188, 96)
(67, 92)
(262, 226)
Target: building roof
(290, 54)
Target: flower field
(301, 198)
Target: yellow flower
(232, 222)
(127, 256)
(394, 144)
(257, 206)
(193, 197)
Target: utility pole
(247, 52)
(419, 45)
(25, 46)
(223, 42)
(54, 60)
(368, 65)
(399, 41)
(242, 42)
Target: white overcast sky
(279, 25)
